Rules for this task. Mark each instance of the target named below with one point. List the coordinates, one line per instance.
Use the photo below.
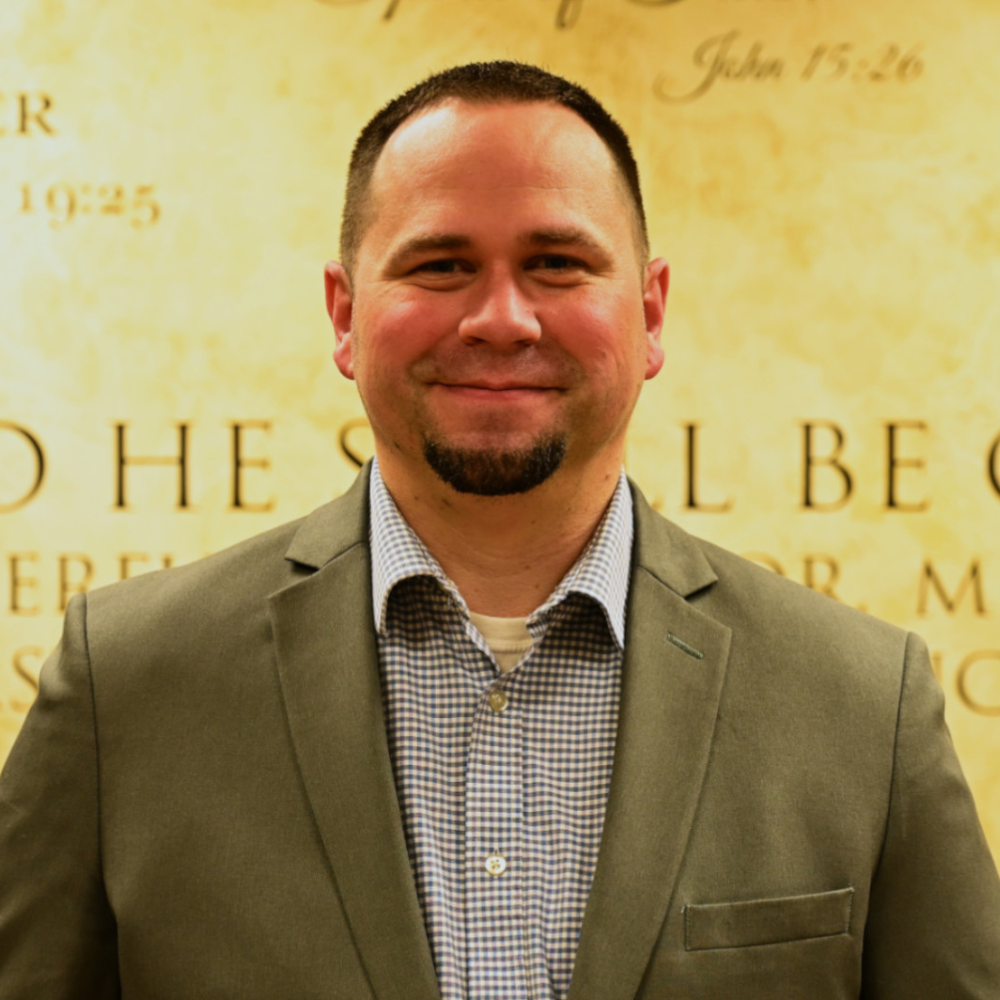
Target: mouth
(495, 384)
(494, 391)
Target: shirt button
(498, 700)
(496, 864)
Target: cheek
(605, 340)
(397, 333)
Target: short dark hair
(496, 82)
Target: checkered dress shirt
(522, 787)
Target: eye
(556, 262)
(445, 265)
(559, 269)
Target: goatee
(495, 473)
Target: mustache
(468, 369)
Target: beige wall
(823, 178)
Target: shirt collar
(600, 573)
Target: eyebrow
(570, 236)
(422, 244)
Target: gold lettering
(33, 108)
(180, 460)
(929, 580)
(691, 436)
(128, 560)
(38, 458)
(29, 678)
(357, 457)
(240, 463)
(831, 574)
(19, 583)
(830, 460)
(964, 685)
(993, 465)
(68, 586)
(895, 462)
(763, 559)
(937, 663)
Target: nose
(500, 314)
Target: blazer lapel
(672, 677)
(328, 668)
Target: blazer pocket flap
(767, 921)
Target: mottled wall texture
(824, 178)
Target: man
(487, 726)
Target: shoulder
(225, 593)
(789, 615)
(247, 571)
(780, 630)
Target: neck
(505, 554)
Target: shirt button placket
(498, 700)
(494, 905)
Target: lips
(492, 378)
(505, 392)
(497, 386)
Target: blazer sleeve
(57, 930)
(933, 930)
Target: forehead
(517, 144)
(490, 157)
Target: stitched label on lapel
(681, 644)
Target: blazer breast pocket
(767, 921)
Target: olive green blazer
(201, 804)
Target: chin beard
(492, 472)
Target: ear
(654, 304)
(340, 308)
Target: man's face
(499, 323)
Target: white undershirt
(508, 638)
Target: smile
(495, 393)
